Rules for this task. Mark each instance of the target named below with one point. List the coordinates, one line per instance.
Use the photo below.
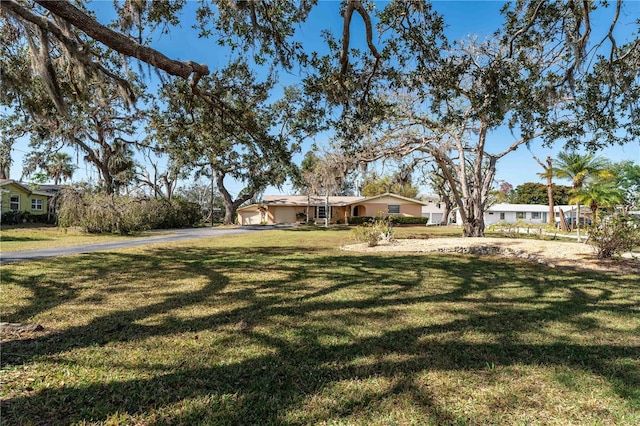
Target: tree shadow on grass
(12, 238)
(310, 292)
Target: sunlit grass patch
(282, 327)
(43, 237)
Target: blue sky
(463, 18)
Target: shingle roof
(303, 200)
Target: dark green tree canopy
(536, 193)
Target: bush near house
(16, 218)
(395, 220)
(374, 231)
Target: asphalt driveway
(167, 236)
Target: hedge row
(395, 220)
(16, 218)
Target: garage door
(284, 215)
(250, 217)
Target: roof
(320, 200)
(400, 197)
(303, 200)
(23, 186)
(507, 207)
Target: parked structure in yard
(336, 209)
(18, 197)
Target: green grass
(17, 238)
(282, 327)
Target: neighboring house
(434, 210)
(17, 197)
(512, 213)
(535, 214)
(338, 209)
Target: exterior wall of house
(509, 216)
(14, 197)
(282, 214)
(381, 205)
(337, 214)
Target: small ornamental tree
(614, 235)
(374, 231)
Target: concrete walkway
(168, 235)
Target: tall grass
(283, 328)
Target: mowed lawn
(16, 238)
(282, 327)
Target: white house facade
(511, 213)
(433, 209)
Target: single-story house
(535, 214)
(511, 213)
(17, 197)
(337, 209)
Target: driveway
(168, 235)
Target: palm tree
(59, 167)
(598, 195)
(578, 168)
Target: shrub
(374, 231)
(101, 213)
(396, 220)
(409, 220)
(17, 218)
(614, 235)
(359, 220)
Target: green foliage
(614, 235)
(536, 193)
(376, 230)
(16, 218)
(409, 220)
(396, 220)
(101, 213)
(281, 329)
(400, 184)
(626, 176)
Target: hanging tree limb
(120, 42)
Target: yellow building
(16, 197)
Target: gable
(392, 199)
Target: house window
(394, 208)
(321, 212)
(15, 203)
(502, 216)
(535, 215)
(36, 204)
(521, 215)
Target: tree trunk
(474, 228)
(230, 206)
(448, 206)
(474, 225)
(326, 211)
(549, 173)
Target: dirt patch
(551, 253)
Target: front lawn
(282, 327)
(17, 238)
